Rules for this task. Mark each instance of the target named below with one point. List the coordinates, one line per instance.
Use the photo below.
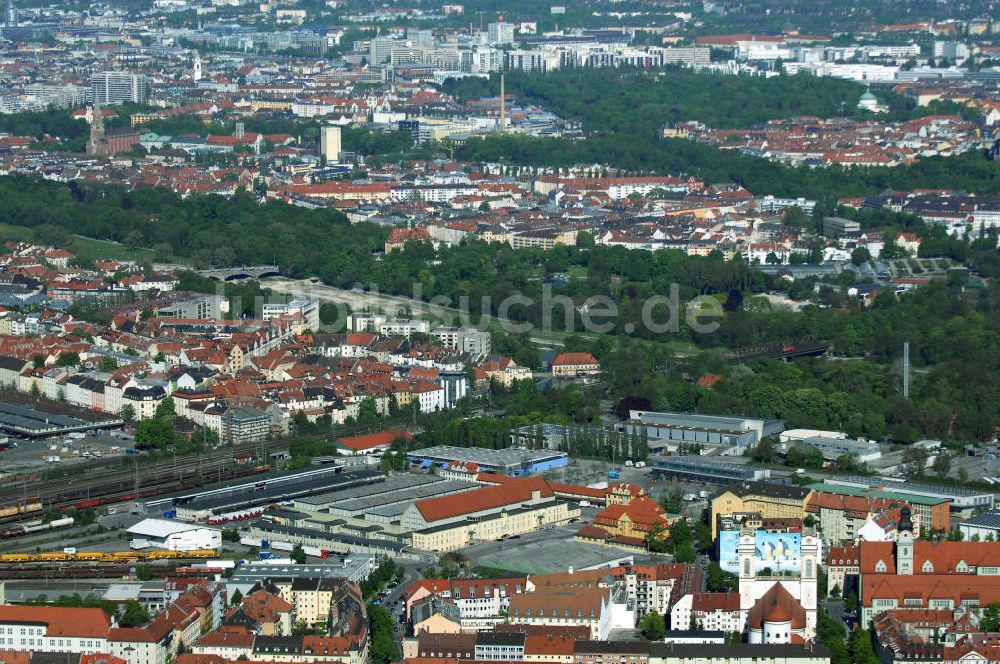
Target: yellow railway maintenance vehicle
(106, 557)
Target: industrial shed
(176, 535)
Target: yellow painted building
(770, 500)
(545, 238)
(516, 521)
(623, 493)
(437, 624)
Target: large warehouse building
(700, 469)
(487, 514)
(514, 462)
(175, 535)
(736, 433)
(382, 502)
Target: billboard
(779, 552)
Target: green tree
(329, 314)
(67, 360)
(165, 409)
(703, 536)
(862, 651)
(831, 633)
(367, 412)
(143, 572)
(796, 216)
(652, 626)
(684, 553)
(302, 628)
(128, 414)
(655, 541)
(107, 364)
(298, 555)
(891, 250)
(764, 451)
(672, 501)
(915, 460)
(383, 646)
(236, 598)
(134, 239)
(942, 463)
(989, 618)
(720, 581)
(807, 456)
(133, 614)
(154, 434)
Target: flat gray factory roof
(253, 572)
(984, 520)
(30, 421)
(240, 485)
(396, 498)
(483, 456)
(323, 535)
(281, 491)
(898, 486)
(397, 483)
(388, 511)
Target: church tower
(809, 580)
(95, 144)
(904, 544)
(747, 553)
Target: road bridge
(241, 272)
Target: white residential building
(53, 629)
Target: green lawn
(87, 248)
(90, 249)
(19, 233)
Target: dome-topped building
(868, 102)
(777, 617)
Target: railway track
(81, 570)
(102, 487)
(61, 498)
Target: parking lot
(535, 553)
(35, 454)
(107, 533)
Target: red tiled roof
(15, 657)
(715, 602)
(373, 440)
(494, 497)
(777, 605)
(943, 556)
(642, 511)
(956, 587)
(573, 359)
(60, 621)
(843, 555)
(226, 639)
(559, 602)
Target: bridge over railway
(781, 350)
(241, 272)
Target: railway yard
(73, 520)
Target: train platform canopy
(33, 423)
